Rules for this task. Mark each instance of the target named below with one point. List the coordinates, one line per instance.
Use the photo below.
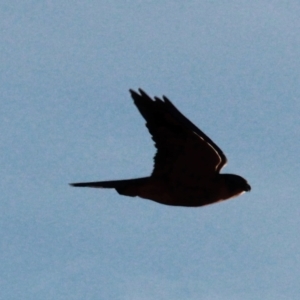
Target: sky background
(232, 67)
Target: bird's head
(236, 184)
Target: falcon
(187, 163)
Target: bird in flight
(187, 163)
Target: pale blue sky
(232, 67)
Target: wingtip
(141, 94)
(166, 99)
(134, 94)
(133, 91)
(142, 91)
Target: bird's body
(186, 165)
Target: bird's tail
(128, 187)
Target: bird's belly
(155, 191)
(183, 195)
(194, 196)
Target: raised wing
(189, 125)
(182, 148)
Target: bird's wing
(182, 148)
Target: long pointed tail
(128, 187)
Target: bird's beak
(248, 188)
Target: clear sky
(232, 67)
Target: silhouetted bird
(187, 163)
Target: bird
(187, 162)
